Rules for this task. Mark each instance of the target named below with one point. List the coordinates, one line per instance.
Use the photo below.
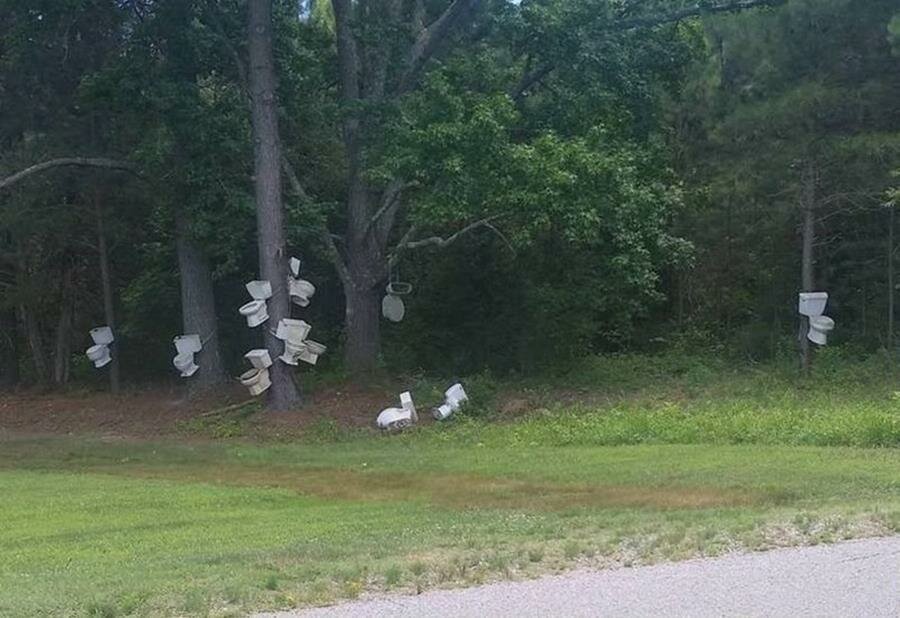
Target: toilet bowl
(184, 363)
(256, 312)
(300, 291)
(102, 335)
(260, 359)
(394, 418)
(256, 380)
(99, 355)
(819, 327)
(454, 398)
(311, 352)
(187, 344)
(292, 351)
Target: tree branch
(431, 38)
(325, 236)
(101, 162)
(436, 241)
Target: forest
(544, 181)
(628, 267)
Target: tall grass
(688, 399)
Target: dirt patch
(153, 412)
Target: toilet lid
(392, 308)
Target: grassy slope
(109, 527)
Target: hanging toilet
(256, 311)
(260, 358)
(289, 328)
(256, 380)
(185, 364)
(819, 327)
(102, 335)
(311, 352)
(99, 353)
(300, 291)
(392, 306)
(812, 305)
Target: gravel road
(857, 578)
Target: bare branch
(431, 38)
(295, 183)
(436, 241)
(100, 162)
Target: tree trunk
(807, 260)
(363, 323)
(890, 290)
(62, 348)
(283, 394)
(198, 308)
(106, 285)
(9, 349)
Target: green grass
(121, 528)
(627, 460)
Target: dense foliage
(563, 177)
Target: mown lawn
(96, 527)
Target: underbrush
(690, 399)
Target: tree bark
(890, 278)
(106, 284)
(808, 199)
(9, 349)
(283, 394)
(363, 323)
(62, 348)
(198, 308)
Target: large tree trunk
(106, 284)
(283, 394)
(890, 286)
(807, 263)
(9, 349)
(363, 323)
(198, 308)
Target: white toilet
(256, 380)
(99, 355)
(294, 265)
(185, 364)
(392, 306)
(256, 311)
(453, 400)
(812, 305)
(300, 291)
(293, 333)
(99, 352)
(186, 346)
(311, 352)
(398, 418)
(259, 358)
(819, 327)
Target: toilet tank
(102, 335)
(813, 303)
